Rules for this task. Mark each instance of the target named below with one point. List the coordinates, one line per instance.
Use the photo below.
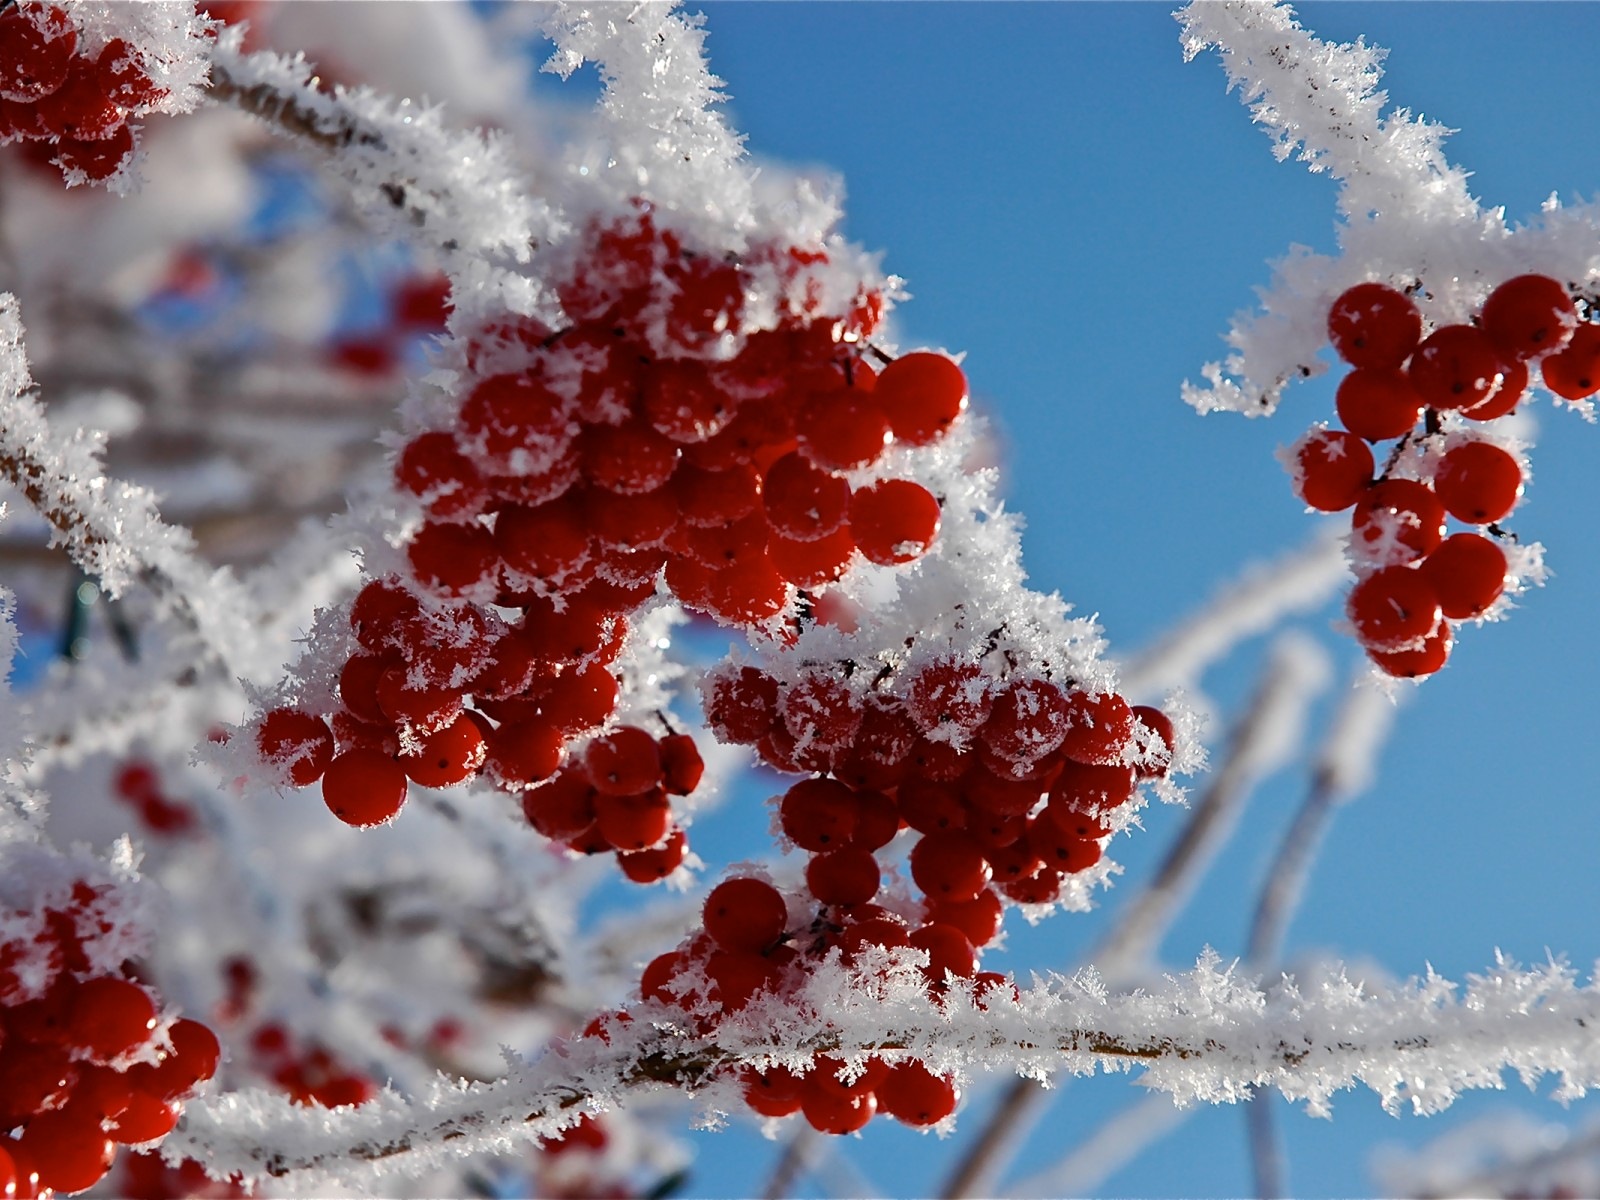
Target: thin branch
(791, 1163)
(1110, 1147)
(1021, 1104)
(1208, 1035)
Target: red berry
(1377, 404)
(742, 706)
(821, 711)
(837, 1112)
(624, 762)
(448, 756)
(421, 710)
(949, 866)
(1331, 469)
(1396, 521)
(950, 694)
(643, 521)
(364, 787)
(706, 497)
(1061, 851)
(109, 1017)
(653, 865)
(1097, 787)
(843, 430)
(580, 698)
(1099, 728)
(1528, 316)
(846, 876)
(1372, 325)
(1478, 482)
(299, 744)
(1159, 758)
(515, 423)
(1574, 371)
(922, 394)
(100, 159)
(630, 458)
(421, 302)
(1456, 367)
(930, 807)
(454, 560)
(746, 915)
(894, 521)
(522, 753)
(1513, 383)
(37, 43)
(803, 502)
(819, 814)
(681, 765)
(561, 808)
(1418, 661)
(80, 110)
(383, 614)
(1028, 720)
(774, 1093)
(948, 951)
(682, 402)
(70, 1149)
(146, 1118)
(1468, 571)
(814, 563)
(448, 483)
(633, 823)
(1393, 608)
(978, 918)
(193, 1059)
(914, 1095)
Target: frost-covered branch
(1209, 1035)
(408, 171)
(111, 529)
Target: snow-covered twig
(1210, 1034)
(111, 529)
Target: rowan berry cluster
(654, 438)
(87, 1061)
(138, 784)
(1433, 393)
(70, 100)
(1009, 786)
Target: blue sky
(1081, 212)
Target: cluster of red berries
(71, 102)
(138, 785)
(86, 1060)
(585, 465)
(1413, 578)
(311, 1075)
(1009, 785)
(616, 797)
(1008, 782)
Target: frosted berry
(845, 876)
(949, 866)
(894, 521)
(1376, 404)
(1513, 384)
(819, 814)
(840, 431)
(1158, 723)
(624, 762)
(1478, 482)
(1416, 662)
(37, 43)
(629, 458)
(803, 501)
(742, 706)
(80, 109)
(298, 743)
(525, 752)
(633, 823)
(1027, 721)
(1373, 325)
(109, 1016)
(1396, 521)
(453, 560)
(1099, 728)
(1456, 367)
(1393, 608)
(364, 787)
(655, 864)
(1468, 571)
(949, 694)
(948, 951)
(1332, 468)
(1529, 316)
(914, 1095)
(745, 915)
(922, 394)
(1573, 372)
(448, 756)
(433, 469)
(99, 159)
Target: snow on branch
(1407, 217)
(1211, 1034)
(407, 170)
(111, 529)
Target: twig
(791, 1163)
